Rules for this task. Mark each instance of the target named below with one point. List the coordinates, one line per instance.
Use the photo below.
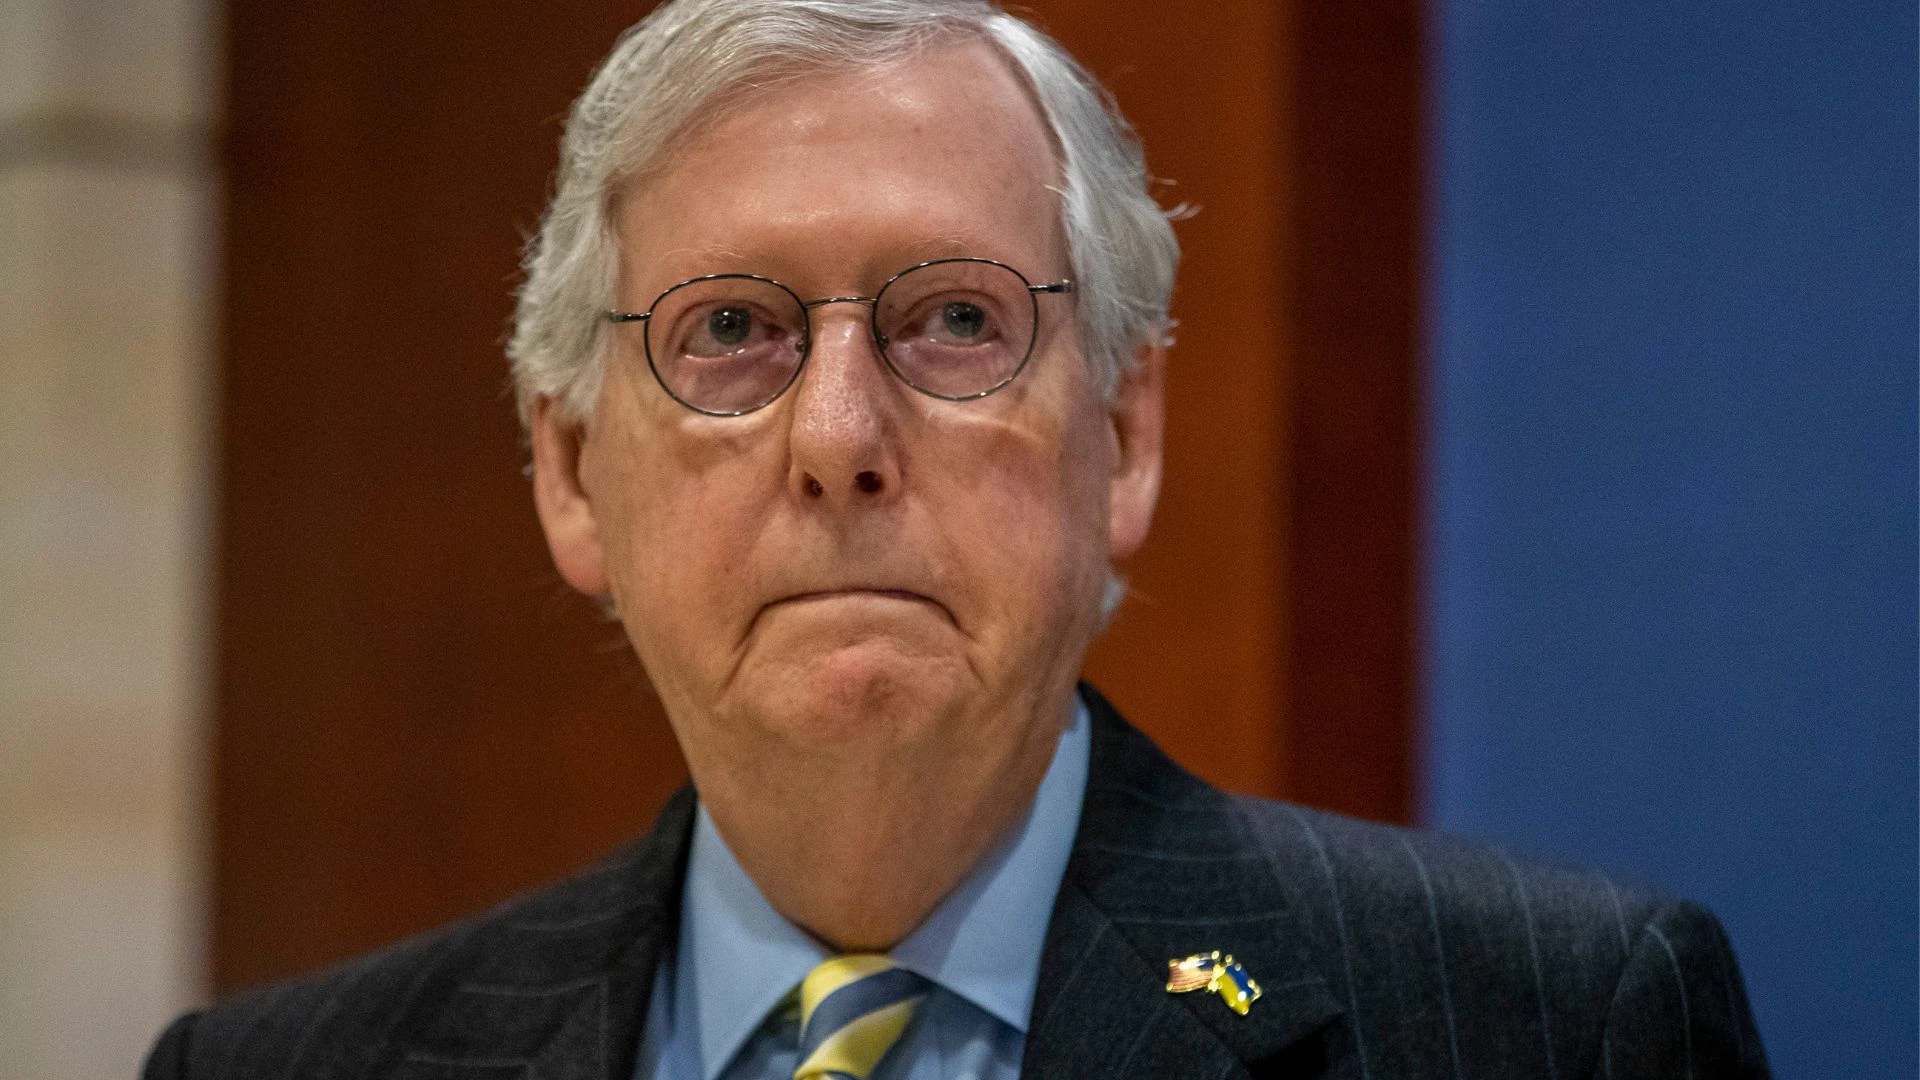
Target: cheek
(676, 525)
(1027, 512)
(686, 540)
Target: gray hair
(688, 55)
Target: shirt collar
(738, 957)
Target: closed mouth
(855, 592)
(812, 596)
(829, 594)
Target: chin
(867, 693)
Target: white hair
(688, 55)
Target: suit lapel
(1162, 868)
(556, 989)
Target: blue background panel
(1672, 485)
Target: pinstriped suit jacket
(1382, 953)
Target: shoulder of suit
(1412, 880)
(1441, 946)
(350, 1007)
(1526, 962)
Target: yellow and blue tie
(852, 1010)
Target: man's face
(857, 571)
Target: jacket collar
(555, 986)
(1163, 868)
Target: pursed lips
(859, 590)
(816, 596)
(856, 592)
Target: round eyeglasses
(955, 329)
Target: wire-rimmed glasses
(955, 329)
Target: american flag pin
(1217, 974)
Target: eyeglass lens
(954, 329)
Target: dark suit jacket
(1382, 953)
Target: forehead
(849, 174)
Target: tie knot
(852, 1010)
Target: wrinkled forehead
(939, 153)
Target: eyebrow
(685, 263)
(946, 244)
(703, 255)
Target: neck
(859, 849)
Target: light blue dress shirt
(713, 1017)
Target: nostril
(814, 489)
(868, 482)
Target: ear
(1139, 427)
(566, 511)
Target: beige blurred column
(107, 242)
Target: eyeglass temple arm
(1055, 287)
(627, 316)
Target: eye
(963, 320)
(956, 328)
(953, 321)
(729, 326)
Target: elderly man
(840, 351)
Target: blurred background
(1542, 467)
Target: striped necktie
(852, 1010)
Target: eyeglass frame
(1062, 287)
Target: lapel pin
(1216, 973)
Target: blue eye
(963, 320)
(730, 325)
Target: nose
(843, 440)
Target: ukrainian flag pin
(1219, 974)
